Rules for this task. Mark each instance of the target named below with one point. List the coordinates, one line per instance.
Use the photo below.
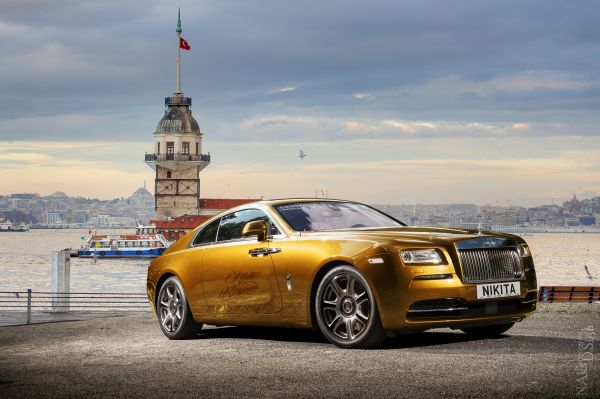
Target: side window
(232, 224)
(208, 233)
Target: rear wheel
(174, 315)
(346, 311)
(488, 331)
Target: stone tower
(177, 158)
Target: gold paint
(261, 298)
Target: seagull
(301, 154)
(589, 275)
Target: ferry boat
(7, 226)
(20, 228)
(146, 243)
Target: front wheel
(346, 311)
(174, 315)
(488, 331)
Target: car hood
(409, 234)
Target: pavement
(555, 353)
(19, 317)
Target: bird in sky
(589, 275)
(301, 154)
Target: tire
(173, 311)
(488, 331)
(346, 310)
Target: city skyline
(62, 211)
(412, 102)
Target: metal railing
(177, 157)
(72, 301)
(178, 100)
(569, 294)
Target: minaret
(177, 158)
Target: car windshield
(330, 215)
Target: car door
(235, 278)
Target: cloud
(285, 89)
(305, 128)
(12, 30)
(362, 96)
(536, 80)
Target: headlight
(421, 256)
(523, 250)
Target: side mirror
(256, 228)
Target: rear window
(208, 234)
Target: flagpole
(178, 89)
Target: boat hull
(121, 253)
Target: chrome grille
(483, 265)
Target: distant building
(112, 221)
(177, 160)
(53, 218)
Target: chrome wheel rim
(345, 306)
(171, 308)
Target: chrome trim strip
(437, 310)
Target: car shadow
(262, 333)
(422, 339)
(433, 338)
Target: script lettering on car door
(239, 284)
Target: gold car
(350, 270)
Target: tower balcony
(177, 161)
(178, 100)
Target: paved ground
(19, 317)
(129, 356)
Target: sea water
(26, 261)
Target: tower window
(185, 148)
(168, 175)
(196, 148)
(158, 148)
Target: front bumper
(452, 308)
(409, 303)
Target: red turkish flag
(183, 44)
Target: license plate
(498, 290)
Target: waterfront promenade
(130, 357)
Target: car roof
(280, 201)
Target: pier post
(28, 305)
(61, 280)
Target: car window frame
(241, 239)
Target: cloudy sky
(393, 101)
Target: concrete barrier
(61, 280)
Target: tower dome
(178, 116)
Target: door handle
(255, 252)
